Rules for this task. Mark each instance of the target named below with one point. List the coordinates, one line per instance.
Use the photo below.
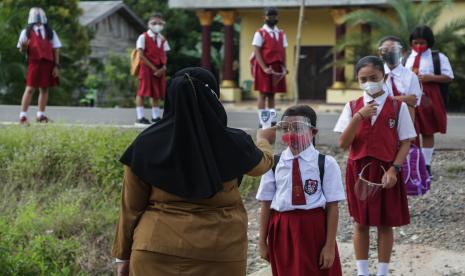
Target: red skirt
(431, 114)
(387, 207)
(269, 83)
(40, 74)
(295, 241)
(149, 85)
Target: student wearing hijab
(181, 211)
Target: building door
(313, 78)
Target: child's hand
(122, 269)
(327, 255)
(390, 178)
(158, 73)
(426, 78)
(267, 70)
(411, 100)
(268, 134)
(369, 110)
(263, 248)
(55, 72)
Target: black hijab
(190, 152)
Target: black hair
(376, 62)
(422, 32)
(271, 11)
(156, 15)
(48, 30)
(390, 38)
(301, 110)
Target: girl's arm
(328, 252)
(434, 78)
(259, 58)
(146, 61)
(263, 235)
(348, 134)
(390, 177)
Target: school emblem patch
(311, 186)
(392, 123)
(265, 115)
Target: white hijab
(37, 15)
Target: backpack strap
(397, 106)
(436, 62)
(321, 165)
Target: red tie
(416, 63)
(394, 87)
(298, 196)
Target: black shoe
(142, 122)
(155, 120)
(428, 169)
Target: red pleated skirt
(431, 114)
(264, 82)
(295, 241)
(149, 85)
(39, 74)
(386, 207)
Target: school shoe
(156, 120)
(23, 121)
(43, 119)
(142, 122)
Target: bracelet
(360, 114)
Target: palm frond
(373, 18)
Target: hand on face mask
(372, 88)
(156, 28)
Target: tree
(406, 15)
(63, 17)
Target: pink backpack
(414, 173)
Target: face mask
(297, 141)
(156, 28)
(372, 88)
(391, 58)
(420, 48)
(271, 22)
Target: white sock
(275, 116)
(155, 112)
(383, 269)
(140, 112)
(428, 153)
(362, 267)
(40, 114)
(22, 114)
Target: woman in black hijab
(181, 212)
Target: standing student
(152, 47)
(299, 203)
(431, 113)
(400, 83)
(269, 65)
(41, 45)
(377, 129)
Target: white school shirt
(406, 81)
(277, 186)
(140, 44)
(56, 43)
(258, 39)
(405, 128)
(426, 63)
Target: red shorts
(149, 85)
(268, 83)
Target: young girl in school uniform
(152, 47)
(41, 45)
(431, 113)
(269, 44)
(377, 129)
(299, 206)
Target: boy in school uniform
(41, 45)
(152, 47)
(269, 65)
(431, 113)
(400, 82)
(299, 203)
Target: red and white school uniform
(377, 141)
(273, 45)
(155, 47)
(40, 58)
(297, 233)
(431, 113)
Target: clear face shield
(391, 53)
(366, 188)
(37, 16)
(295, 133)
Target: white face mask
(156, 28)
(372, 88)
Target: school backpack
(414, 173)
(321, 165)
(135, 62)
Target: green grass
(456, 169)
(59, 198)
